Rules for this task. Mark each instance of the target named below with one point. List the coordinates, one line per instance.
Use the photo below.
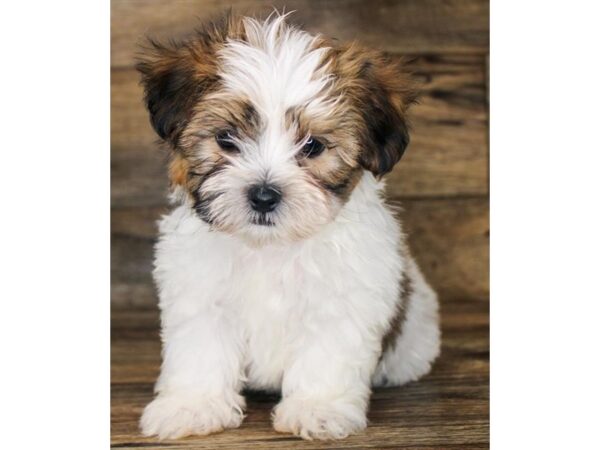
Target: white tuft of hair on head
(276, 67)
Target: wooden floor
(447, 409)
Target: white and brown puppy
(280, 266)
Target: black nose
(263, 198)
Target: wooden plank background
(440, 189)
(441, 183)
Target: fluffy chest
(269, 299)
(288, 296)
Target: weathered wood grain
(449, 238)
(449, 408)
(448, 154)
(408, 26)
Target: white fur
(252, 308)
(277, 67)
(306, 317)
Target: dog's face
(270, 129)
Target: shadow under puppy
(280, 266)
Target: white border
(54, 107)
(545, 224)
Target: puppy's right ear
(174, 78)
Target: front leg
(201, 377)
(326, 389)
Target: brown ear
(173, 81)
(176, 75)
(383, 92)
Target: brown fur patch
(177, 75)
(397, 322)
(178, 170)
(220, 111)
(379, 92)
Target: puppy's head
(270, 128)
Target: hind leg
(418, 344)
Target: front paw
(320, 418)
(172, 416)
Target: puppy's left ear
(384, 91)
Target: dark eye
(225, 139)
(313, 147)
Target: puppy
(280, 267)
